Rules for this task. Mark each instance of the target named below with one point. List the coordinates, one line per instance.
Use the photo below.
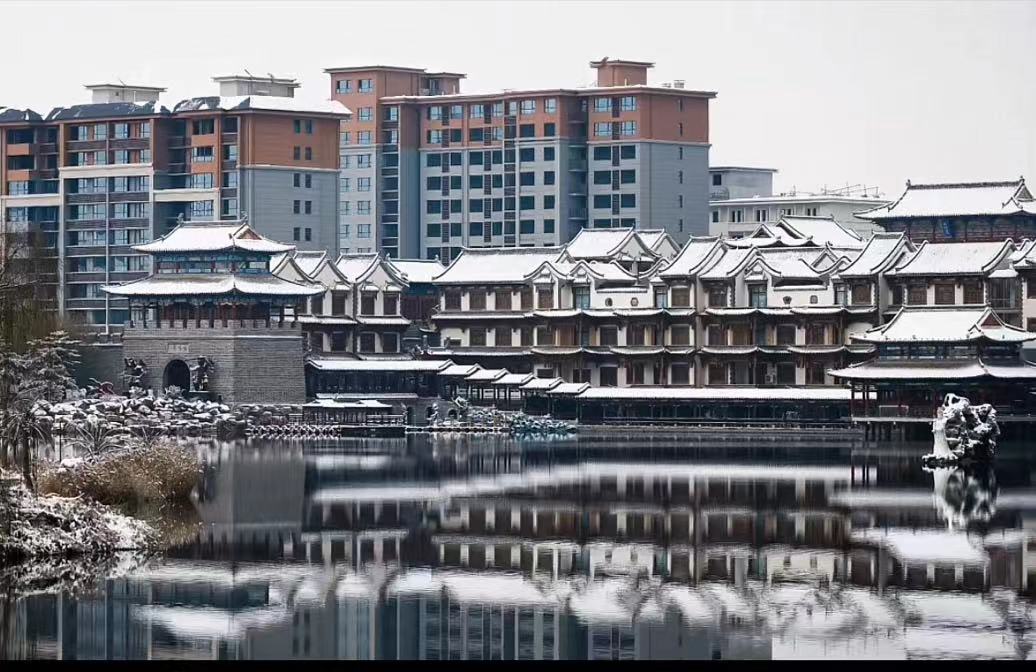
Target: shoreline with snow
(49, 542)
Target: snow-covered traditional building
(959, 212)
(211, 295)
(925, 352)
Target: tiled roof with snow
(652, 237)
(822, 231)
(933, 370)
(354, 266)
(598, 243)
(382, 365)
(212, 237)
(724, 265)
(949, 324)
(693, 254)
(875, 256)
(261, 103)
(418, 270)
(953, 258)
(309, 261)
(476, 266)
(704, 393)
(206, 284)
(957, 199)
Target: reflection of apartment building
(427, 170)
(87, 182)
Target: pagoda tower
(213, 320)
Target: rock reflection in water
(466, 550)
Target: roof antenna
(248, 73)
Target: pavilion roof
(949, 324)
(955, 200)
(212, 237)
(205, 284)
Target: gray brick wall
(252, 364)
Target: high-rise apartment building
(428, 170)
(86, 183)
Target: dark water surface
(598, 548)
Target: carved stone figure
(200, 374)
(134, 375)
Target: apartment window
(544, 299)
(309, 152)
(344, 86)
(309, 207)
(944, 294)
(785, 334)
(609, 335)
(628, 128)
(456, 111)
(297, 123)
(198, 155)
(309, 181)
(973, 291)
(392, 113)
(476, 111)
(527, 226)
(602, 130)
(363, 184)
(548, 153)
(296, 153)
(296, 233)
(363, 207)
(861, 294)
(477, 336)
(628, 176)
(815, 334)
(681, 296)
(549, 201)
(309, 234)
(757, 296)
(477, 299)
(548, 224)
(346, 210)
(366, 113)
(550, 105)
(363, 161)
(363, 230)
(512, 108)
(366, 85)
(581, 298)
(528, 107)
(527, 131)
(737, 216)
(367, 342)
(203, 127)
(526, 298)
(434, 137)
(344, 141)
(680, 334)
(498, 109)
(718, 297)
(602, 104)
(229, 207)
(527, 179)
(628, 200)
(296, 207)
(811, 212)
(628, 103)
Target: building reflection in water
(469, 551)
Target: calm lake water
(633, 547)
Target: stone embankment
(161, 415)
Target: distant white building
(742, 198)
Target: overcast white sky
(828, 93)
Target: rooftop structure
(740, 216)
(959, 212)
